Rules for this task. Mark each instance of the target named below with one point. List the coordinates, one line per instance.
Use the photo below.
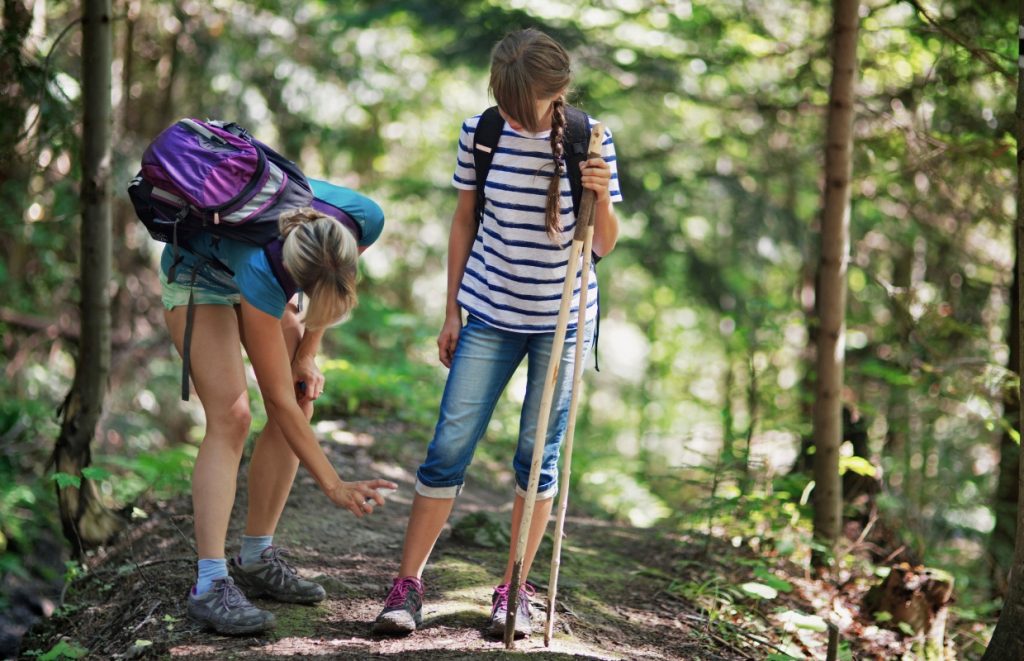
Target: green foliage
(23, 494)
(706, 377)
(160, 474)
(367, 389)
(773, 581)
(771, 517)
(759, 590)
(715, 596)
(64, 649)
(858, 465)
(482, 529)
(374, 376)
(64, 480)
(804, 621)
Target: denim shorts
(213, 287)
(485, 359)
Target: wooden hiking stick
(584, 235)
(570, 432)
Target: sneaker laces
(400, 590)
(501, 603)
(274, 555)
(230, 594)
(502, 591)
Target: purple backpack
(214, 177)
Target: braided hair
(528, 65)
(552, 212)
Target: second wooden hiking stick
(570, 433)
(583, 235)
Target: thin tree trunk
(726, 413)
(806, 289)
(752, 412)
(898, 396)
(85, 520)
(1004, 504)
(16, 131)
(1008, 639)
(174, 53)
(916, 450)
(831, 296)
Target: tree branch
(979, 53)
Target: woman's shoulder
(246, 260)
(256, 280)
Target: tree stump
(917, 597)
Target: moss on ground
(295, 621)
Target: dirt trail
(610, 583)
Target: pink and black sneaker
(499, 610)
(403, 609)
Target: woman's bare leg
(218, 374)
(273, 465)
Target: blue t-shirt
(366, 213)
(251, 275)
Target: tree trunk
(1008, 639)
(752, 412)
(18, 76)
(831, 295)
(86, 522)
(726, 414)
(807, 288)
(1004, 504)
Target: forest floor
(615, 591)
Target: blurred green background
(706, 346)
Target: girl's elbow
(604, 244)
(602, 249)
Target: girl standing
(506, 266)
(245, 304)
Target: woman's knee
(233, 422)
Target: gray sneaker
(499, 609)
(225, 609)
(273, 577)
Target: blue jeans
(485, 359)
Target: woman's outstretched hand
(360, 497)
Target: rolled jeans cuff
(547, 494)
(438, 492)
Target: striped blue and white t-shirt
(515, 273)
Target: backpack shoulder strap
(485, 141)
(575, 143)
(274, 251)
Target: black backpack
(575, 142)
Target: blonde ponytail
(320, 254)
